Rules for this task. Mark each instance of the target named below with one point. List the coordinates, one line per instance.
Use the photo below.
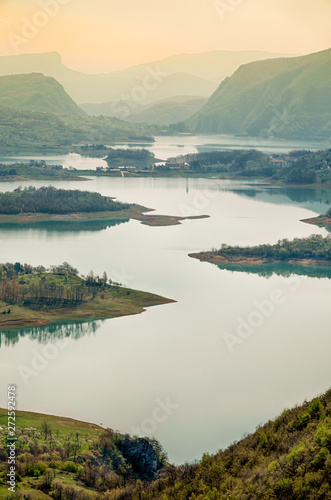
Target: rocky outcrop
(141, 455)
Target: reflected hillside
(63, 226)
(280, 269)
(50, 333)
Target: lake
(166, 147)
(169, 372)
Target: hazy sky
(101, 35)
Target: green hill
(286, 97)
(36, 92)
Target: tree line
(57, 286)
(314, 247)
(49, 200)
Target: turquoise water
(123, 372)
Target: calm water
(166, 147)
(118, 372)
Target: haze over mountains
(164, 112)
(286, 97)
(283, 97)
(181, 75)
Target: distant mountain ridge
(184, 74)
(286, 97)
(36, 92)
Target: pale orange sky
(102, 35)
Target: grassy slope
(25, 419)
(284, 97)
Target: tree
(46, 430)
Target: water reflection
(313, 199)
(280, 269)
(50, 333)
(63, 226)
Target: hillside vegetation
(286, 97)
(65, 459)
(30, 131)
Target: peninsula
(35, 296)
(321, 220)
(312, 251)
(31, 205)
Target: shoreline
(121, 302)
(320, 221)
(214, 258)
(135, 212)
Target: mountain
(285, 97)
(36, 92)
(185, 74)
(162, 112)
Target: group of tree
(58, 286)
(49, 200)
(80, 464)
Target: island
(48, 204)
(312, 251)
(34, 296)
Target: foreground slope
(286, 97)
(288, 458)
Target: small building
(278, 163)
